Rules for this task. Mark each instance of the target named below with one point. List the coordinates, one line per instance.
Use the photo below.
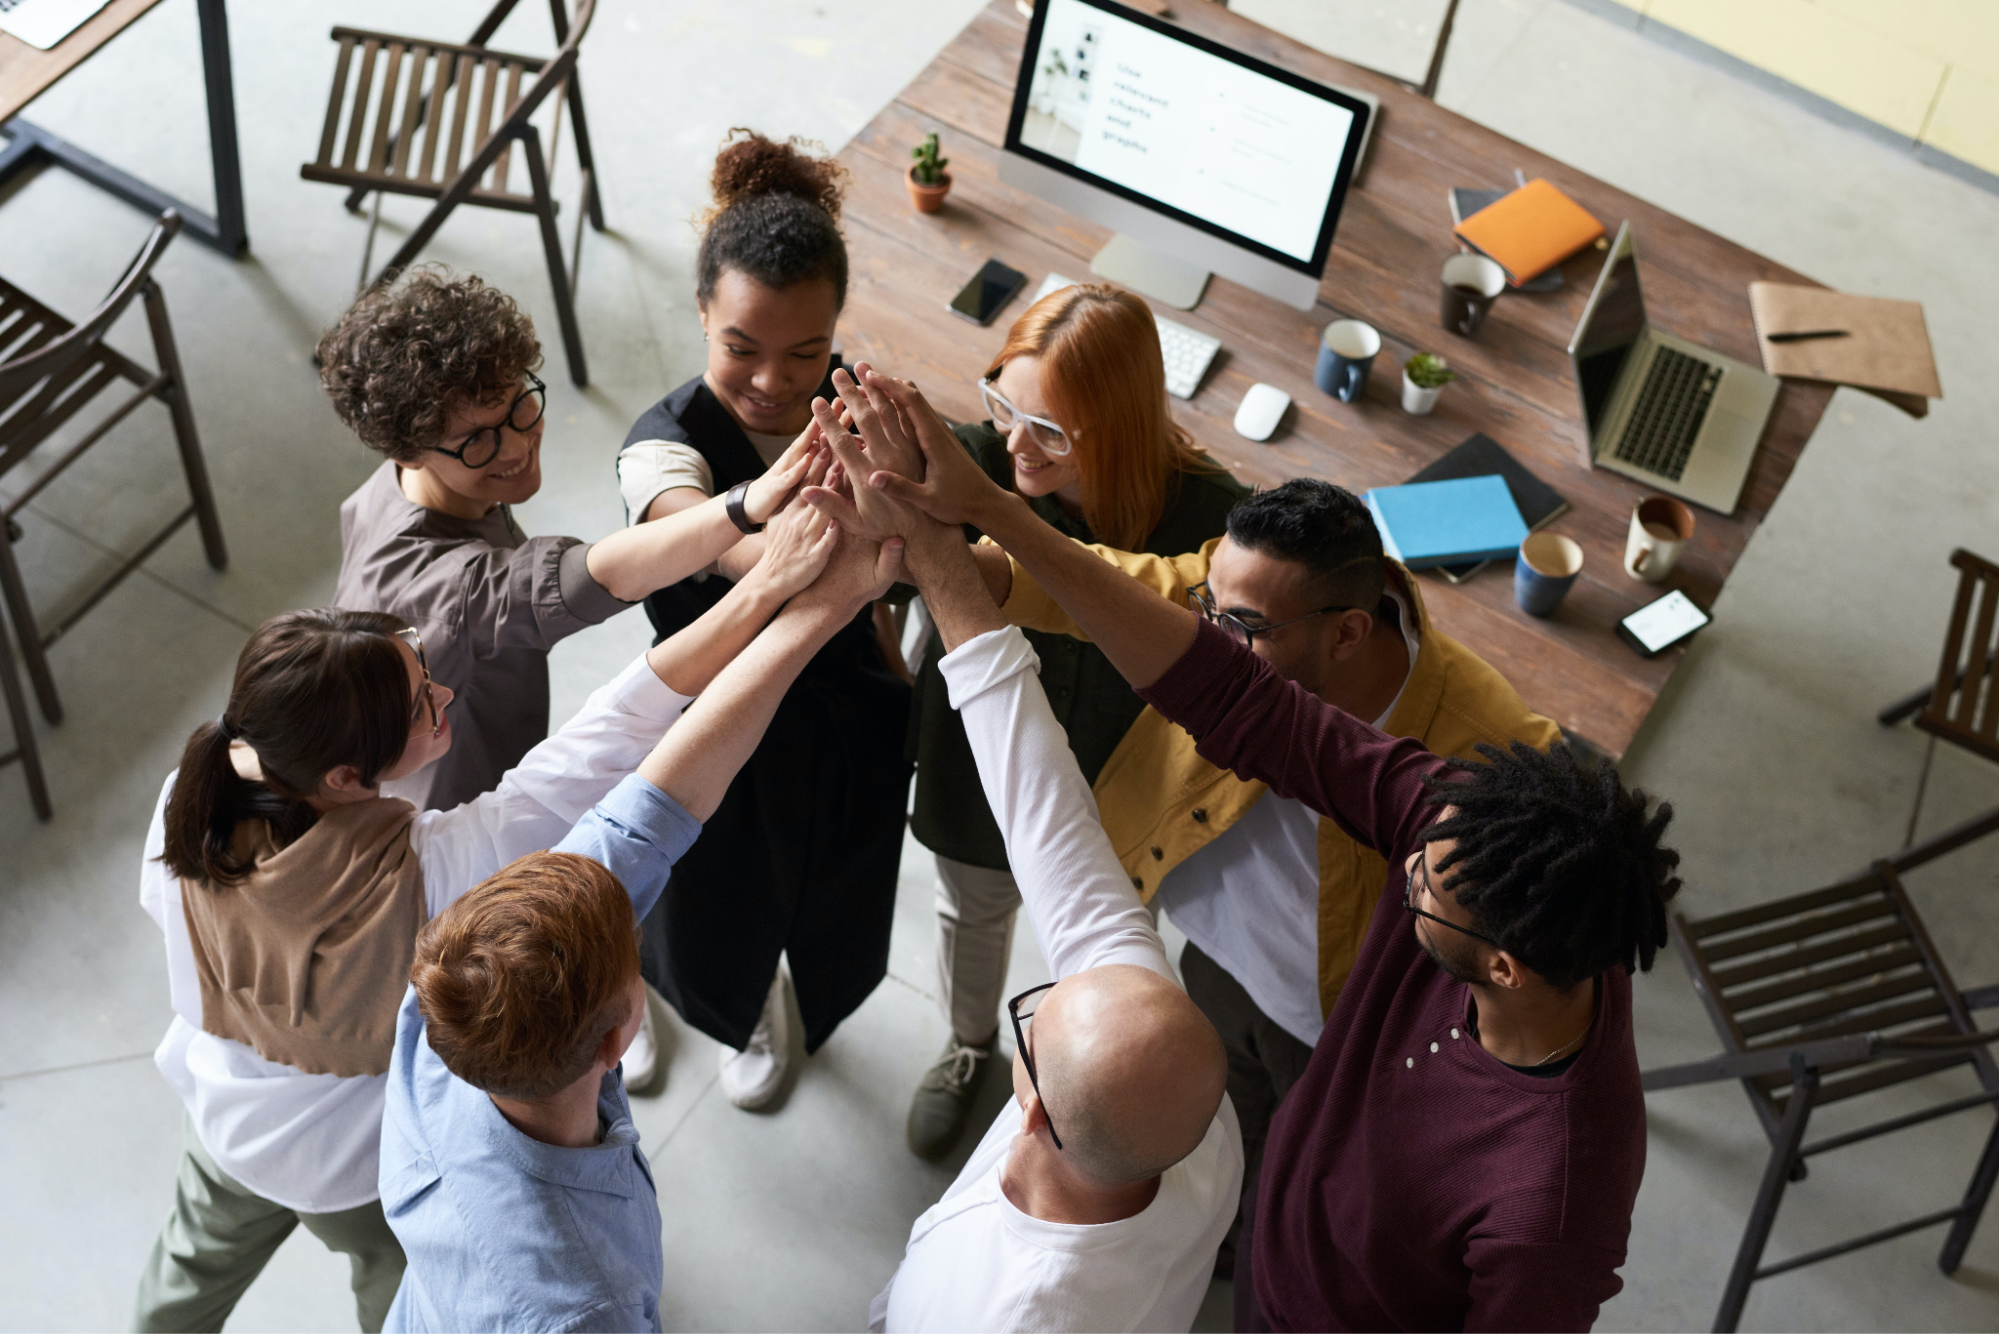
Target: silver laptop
(1672, 414)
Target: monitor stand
(1152, 272)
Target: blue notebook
(1464, 519)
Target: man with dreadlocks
(1466, 1143)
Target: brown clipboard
(1886, 350)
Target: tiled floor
(792, 1219)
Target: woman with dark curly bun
(437, 373)
(801, 858)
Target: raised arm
(695, 763)
(1084, 910)
(634, 561)
(1027, 605)
(540, 799)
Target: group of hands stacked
(871, 483)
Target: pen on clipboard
(1805, 335)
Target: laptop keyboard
(1672, 404)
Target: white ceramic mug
(1660, 528)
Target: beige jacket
(1160, 801)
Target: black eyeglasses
(483, 446)
(1026, 1057)
(1423, 862)
(425, 699)
(1201, 600)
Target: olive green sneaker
(943, 1101)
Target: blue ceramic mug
(1543, 572)
(1346, 351)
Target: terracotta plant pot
(928, 198)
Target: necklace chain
(1566, 1046)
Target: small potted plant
(928, 181)
(1423, 379)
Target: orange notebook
(1529, 231)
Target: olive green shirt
(1092, 702)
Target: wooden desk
(1514, 380)
(26, 72)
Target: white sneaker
(644, 1072)
(751, 1077)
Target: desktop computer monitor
(1202, 158)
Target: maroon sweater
(1412, 1181)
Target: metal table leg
(224, 230)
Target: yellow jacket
(1160, 801)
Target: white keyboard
(1188, 352)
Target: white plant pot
(1417, 400)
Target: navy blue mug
(1544, 571)
(1346, 351)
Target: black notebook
(1539, 503)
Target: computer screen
(1610, 326)
(1241, 149)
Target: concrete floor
(1765, 742)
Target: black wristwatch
(739, 514)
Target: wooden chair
(25, 750)
(1962, 705)
(49, 371)
(444, 145)
(1827, 996)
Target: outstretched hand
(799, 542)
(860, 571)
(779, 483)
(949, 487)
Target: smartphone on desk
(991, 288)
(1660, 625)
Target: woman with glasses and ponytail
(1078, 424)
(290, 886)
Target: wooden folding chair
(1827, 996)
(413, 126)
(50, 370)
(25, 751)
(1961, 706)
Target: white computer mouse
(1262, 409)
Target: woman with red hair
(1079, 425)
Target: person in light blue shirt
(510, 1169)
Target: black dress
(801, 856)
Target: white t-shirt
(976, 1262)
(1249, 898)
(648, 467)
(312, 1142)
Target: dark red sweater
(1412, 1181)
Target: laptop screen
(1610, 326)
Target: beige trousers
(975, 915)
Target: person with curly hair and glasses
(437, 372)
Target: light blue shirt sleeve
(638, 832)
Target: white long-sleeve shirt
(975, 1261)
(311, 1142)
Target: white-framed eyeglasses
(1048, 437)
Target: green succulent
(1429, 371)
(929, 168)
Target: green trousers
(221, 1234)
